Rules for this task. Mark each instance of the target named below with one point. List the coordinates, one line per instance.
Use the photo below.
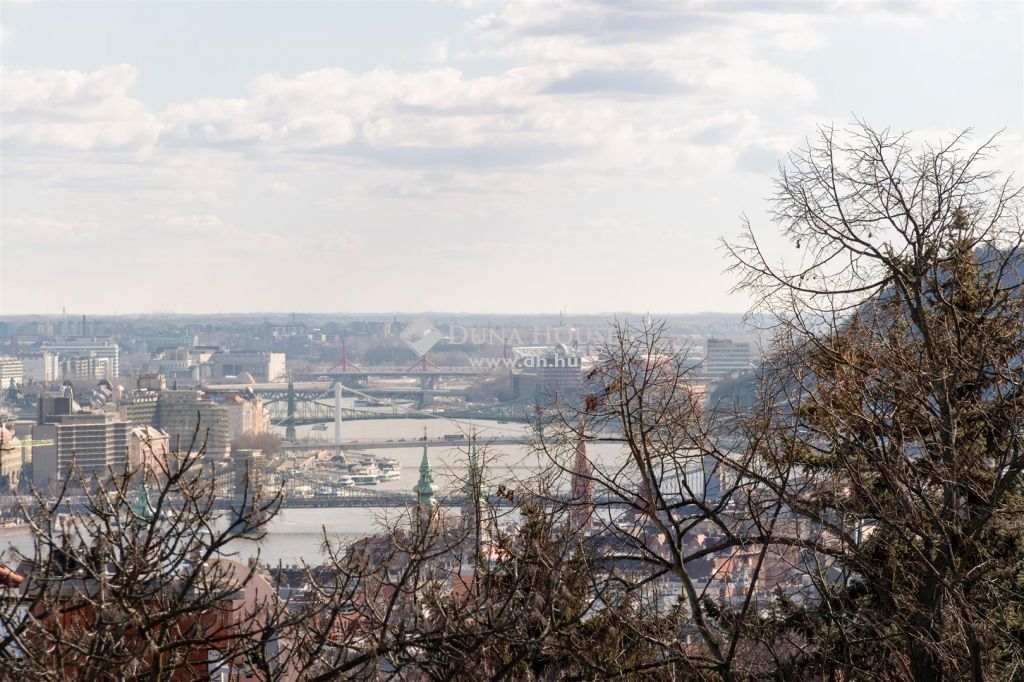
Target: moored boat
(385, 463)
(389, 474)
(365, 475)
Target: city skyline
(506, 158)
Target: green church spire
(425, 487)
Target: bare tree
(897, 392)
(677, 518)
(860, 516)
(130, 578)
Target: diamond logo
(420, 336)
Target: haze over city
(481, 157)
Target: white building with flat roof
(264, 366)
(724, 357)
(42, 366)
(192, 420)
(89, 348)
(78, 445)
(10, 371)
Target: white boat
(319, 427)
(387, 463)
(344, 480)
(389, 474)
(365, 475)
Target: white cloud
(596, 83)
(214, 121)
(573, 94)
(658, 120)
(53, 230)
(318, 130)
(75, 109)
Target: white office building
(84, 444)
(263, 366)
(100, 349)
(724, 357)
(42, 367)
(10, 371)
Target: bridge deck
(325, 388)
(410, 443)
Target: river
(295, 533)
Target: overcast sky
(475, 157)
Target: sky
(446, 156)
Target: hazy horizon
(375, 314)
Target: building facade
(96, 349)
(11, 371)
(23, 430)
(245, 415)
(145, 444)
(180, 366)
(10, 457)
(547, 373)
(158, 341)
(43, 366)
(86, 368)
(85, 444)
(54, 405)
(190, 414)
(263, 366)
(724, 357)
(140, 407)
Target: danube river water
(296, 533)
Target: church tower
(425, 488)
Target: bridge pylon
(338, 391)
(289, 423)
